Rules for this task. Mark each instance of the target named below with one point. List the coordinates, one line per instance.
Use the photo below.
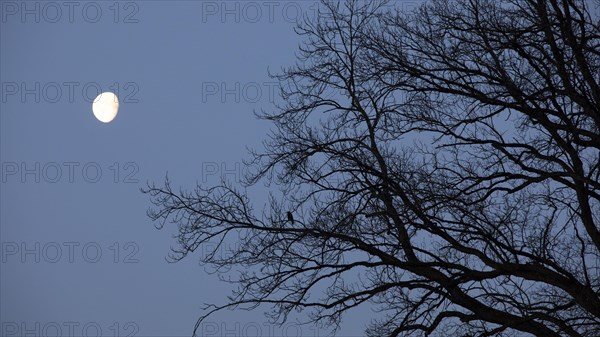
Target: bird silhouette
(290, 217)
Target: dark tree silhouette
(450, 157)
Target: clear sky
(79, 255)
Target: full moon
(105, 107)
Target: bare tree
(443, 165)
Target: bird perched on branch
(290, 217)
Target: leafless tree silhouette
(450, 157)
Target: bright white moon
(105, 107)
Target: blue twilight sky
(79, 255)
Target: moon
(105, 107)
